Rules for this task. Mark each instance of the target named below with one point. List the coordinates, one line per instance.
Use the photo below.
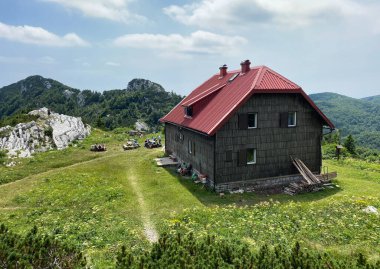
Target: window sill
(292, 126)
(252, 128)
(251, 162)
(187, 117)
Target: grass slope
(100, 201)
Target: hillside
(100, 201)
(359, 117)
(374, 99)
(142, 99)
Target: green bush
(329, 151)
(36, 251)
(3, 156)
(17, 118)
(49, 132)
(178, 251)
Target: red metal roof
(216, 100)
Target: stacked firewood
(309, 183)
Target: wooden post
(338, 151)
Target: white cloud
(115, 10)
(114, 64)
(227, 14)
(39, 36)
(197, 42)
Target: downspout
(165, 136)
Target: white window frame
(295, 119)
(252, 127)
(254, 156)
(190, 146)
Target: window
(247, 121)
(246, 156)
(251, 156)
(292, 119)
(191, 147)
(252, 120)
(233, 77)
(188, 111)
(178, 137)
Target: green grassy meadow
(101, 201)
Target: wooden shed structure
(241, 128)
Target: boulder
(51, 130)
(141, 126)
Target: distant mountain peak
(31, 82)
(143, 84)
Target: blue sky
(325, 45)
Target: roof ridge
(289, 82)
(259, 77)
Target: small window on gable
(251, 156)
(188, 111)
(252, 120)
(292, 119)
(191, 147)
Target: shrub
(49, 132)
(36, 251)
(349, 144)
(3, 156)
(178, 251)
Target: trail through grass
(149, 228)
(100, 201)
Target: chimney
(245, 66)
(223, 70)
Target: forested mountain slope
(142, 99)
(359, 117)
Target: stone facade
(218, 156)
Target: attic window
(188, 111)
(233, 77)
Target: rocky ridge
(50, 130)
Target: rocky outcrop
(141, 126)
(139, 84)
(50, 130)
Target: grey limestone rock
(51, 130)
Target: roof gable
(216, 100)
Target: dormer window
(188, 111)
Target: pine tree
(349, 144)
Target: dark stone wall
(274, 145)
(202, 157)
